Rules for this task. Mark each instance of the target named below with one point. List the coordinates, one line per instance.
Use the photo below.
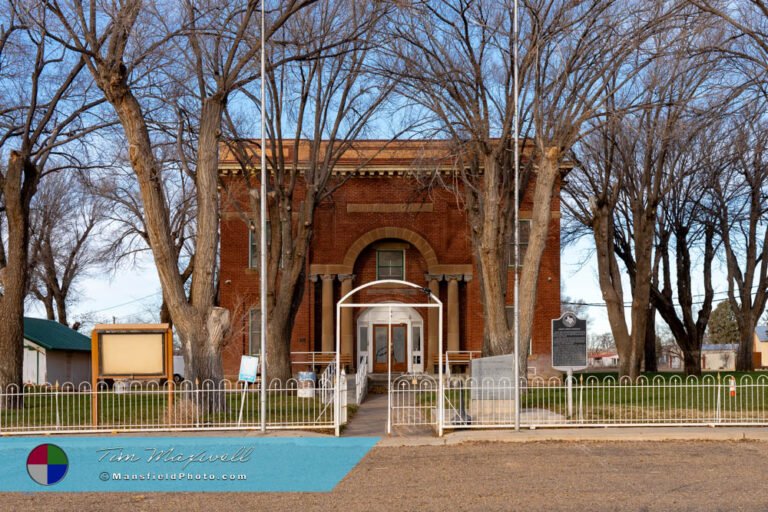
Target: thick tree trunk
(692, 362)
(12, 332)
(198, 322)
(487, 215)
(744, 361)
(651, 362)
(202, 339)
(278, 350)
(50, 310)
(609, 276)
(546, 176)
(644, 230)
(284, 302)
(61, 311)
(19, 186)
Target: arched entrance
(430, 301)
(404, 325)
(372, 256)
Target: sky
(128, 295)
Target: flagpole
(517, 217)
(263, 242)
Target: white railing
(327, 393)
(361, 379)
(587, 402)
(148, 406)
(599, 402)
(313, 359)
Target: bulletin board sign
(130, 351)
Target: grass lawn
(68, 410)
(599, 398)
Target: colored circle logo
(47, 464)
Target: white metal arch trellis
(343, 304)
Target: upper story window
(253, 246)
(525, 232)
(390, 264)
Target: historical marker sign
(569, 342)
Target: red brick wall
(444, 228)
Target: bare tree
(629, 167)
(218, 45)
(601, 343)
(686, 231)
(749, 21)
(741, 207)
(317, 106)
(64, 220)
(455, 60)
(42, 109)
(127, 233)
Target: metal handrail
(361, 379)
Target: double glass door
(399, 347)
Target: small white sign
(249, 367)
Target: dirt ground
(574, 476)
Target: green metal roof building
(55, 353)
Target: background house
(55, 353)
(603, 360)
(719, 356)
(670, 357)
(760, 350)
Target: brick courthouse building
(382, 223)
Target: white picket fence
(148, 406)
(580, 402)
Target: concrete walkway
(370, 419)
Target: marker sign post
(249, 366)
(569, 348)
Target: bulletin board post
(130, 351)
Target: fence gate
(413, 401)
